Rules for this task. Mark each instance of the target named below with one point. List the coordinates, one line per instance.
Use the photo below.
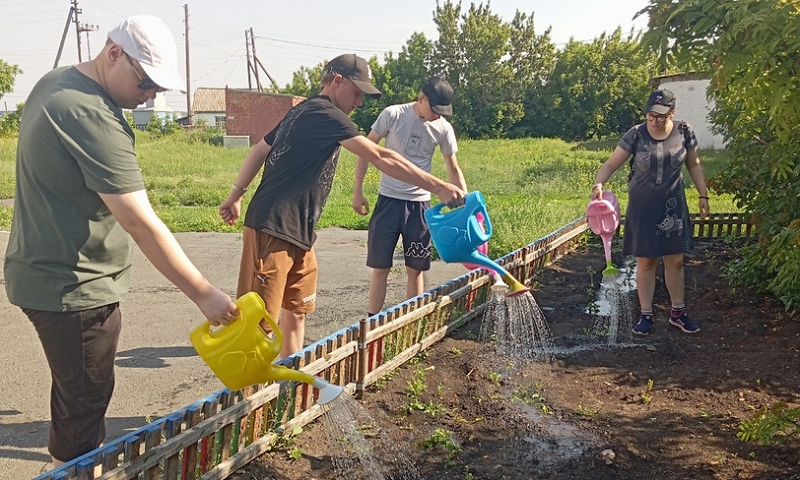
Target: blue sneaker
(684, 323)
(644, 325)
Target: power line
(328, 47)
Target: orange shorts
(283, 274)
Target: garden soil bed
(587, 414)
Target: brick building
(253, 113)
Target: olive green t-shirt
(66, 251)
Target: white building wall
(693, 107)
(211, 118)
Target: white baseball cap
(147, 39)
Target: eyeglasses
(652, 117)
(144, 83)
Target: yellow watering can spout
(514, 286)
(241, 353)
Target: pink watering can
(603, 216)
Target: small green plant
(532, 397)
(414, 391)
(704, 413)
(495, 377)
(467, 474)
(586, 411)
(385, 379)
(647, 393)
(423, 355)
(444, 438)
(455, 351)
(295, 453)
(770, 425)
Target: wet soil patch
(589, 414)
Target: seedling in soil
(647, 392)
(533, 398)
(455, 351)
(414, 392)
(295, 453)
(495, 377)
(468, 475)
(385, 379)
(444, 438)
(586, 411)
(423, 355)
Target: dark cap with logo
(356, 69)
(660, 102)
(440, 95)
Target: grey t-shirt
(66, 251)
(415, 139)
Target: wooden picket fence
(215, 436)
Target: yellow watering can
(241, 354)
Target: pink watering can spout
(603, 216)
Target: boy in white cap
(79, 198)
(413, 129)
(299, 158)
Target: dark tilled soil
(587, 414)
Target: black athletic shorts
(391, 219)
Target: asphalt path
(157, 369)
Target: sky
(288, 34)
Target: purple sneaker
(684, 323)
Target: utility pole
(85, 27)
(257, 63)
(76, 11)
(255, 70)
(63, 37)
(189, 114)
(249, 65)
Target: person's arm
(454, 173)
(699, 179)
(397, 166)
(360, 203)
(135, 214)
(616, 160)
(231, 209)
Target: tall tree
(306, 81)
(596, 89)
(489, 64)
(8, 75)
(405, 74)
(754, 56)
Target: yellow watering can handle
(251, 303)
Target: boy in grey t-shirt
(414, 130)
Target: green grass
(532, 186)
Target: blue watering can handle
(487, 224)
(437, 209)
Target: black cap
(660, 102)
(440, 95)
(356, 69)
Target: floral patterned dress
(657, 217)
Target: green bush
(9, 122)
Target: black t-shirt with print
(299, 169)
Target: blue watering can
(458, 236)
